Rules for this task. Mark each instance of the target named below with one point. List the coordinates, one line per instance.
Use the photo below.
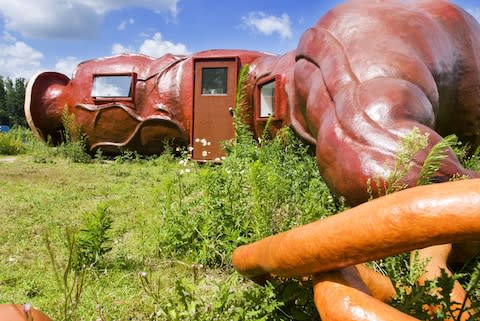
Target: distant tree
(12, 96)
(3, 103)
(19, 98)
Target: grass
(157, 233)
(171, 218)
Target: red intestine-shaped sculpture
(361, 79)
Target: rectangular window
(267, 99)
(112, 86)
(214, 81)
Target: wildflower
(197, 140)
(142, 274)
(190, 148)
(27, 307)
(204, 153)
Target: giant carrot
(336, 301)
(414, 218)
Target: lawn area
(150, 239)
(174, 224)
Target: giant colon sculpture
(362, 78)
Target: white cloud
(120, 49)
(50, 18)
(67, 65)
(68, 19)
(475, 12)
(157, 47)
(123, 25)
(153, 47)
(17, 59)
(268, 25)
(158, 6)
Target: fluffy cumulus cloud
(269, 25)
(119, 49)
(475, 12)
(17, 59)
(155, 46)
(68, 19)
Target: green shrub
(74, 143)
(11, 144)
(93, 241)
(202, 297)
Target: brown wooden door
(215, 90)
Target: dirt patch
(8, 159)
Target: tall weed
(85, 248)
(74, 143)
(11, 142)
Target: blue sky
(37, 35)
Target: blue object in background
(4, 128)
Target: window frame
(133, 83)
(278, 98)
(226, 82)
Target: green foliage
(202, 298)
(85, 250)
(255, 192)
(170, 209)
(435, 157)
(93, 241)
(12, 97)
(469, 160)
(128, 156)
(430, 301)
(74, 144)
(70, 281)
(11, 143)
(410, 145)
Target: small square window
(214, 81)
(112, 86)
(267, 99)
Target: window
(267, 99)
(214, 81)
(112, 86)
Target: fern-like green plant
(93, 239)
(410, 145)
(435, 158)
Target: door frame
(230, 92)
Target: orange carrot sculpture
(415, 218)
